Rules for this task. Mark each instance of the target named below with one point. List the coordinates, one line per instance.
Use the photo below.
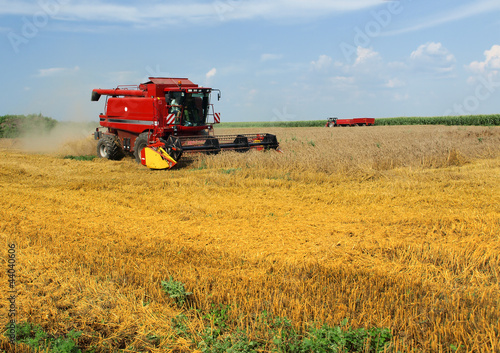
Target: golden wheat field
(395, 227)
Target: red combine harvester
(160, 120)
(350, 122)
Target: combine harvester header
(332, 122)
(160, 120)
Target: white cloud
(270, 57)
(367, 65)
(397, 66)
(400, 97)
(368, 70)
(394, 83)
(489, 68)
(491, 62)
(343, 82)
(433, 58)
(473, 8)
(56, 71)
(211, 73)
(200, 12)
(366, 56)
(323, 62)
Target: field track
(393, 227)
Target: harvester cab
(162, 119)
(189, 108)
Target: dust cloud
(66, 138)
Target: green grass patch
(230, 170)
(35, 337)
(277, 334)
(175, 290)
(80, 158)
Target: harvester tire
(140, 142)
(109, 147)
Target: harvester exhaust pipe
(95, 96)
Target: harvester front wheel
(109, 147)
(140, 143)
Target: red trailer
(363, 121)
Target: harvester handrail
(128, 87)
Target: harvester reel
(212, 146)
(242, 143)
(173, 147)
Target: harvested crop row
(411, 248)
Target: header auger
(162, 119)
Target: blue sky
(273, 60)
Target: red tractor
(332, 122)
(159, 120)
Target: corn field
(477, 120)
(392, 227)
